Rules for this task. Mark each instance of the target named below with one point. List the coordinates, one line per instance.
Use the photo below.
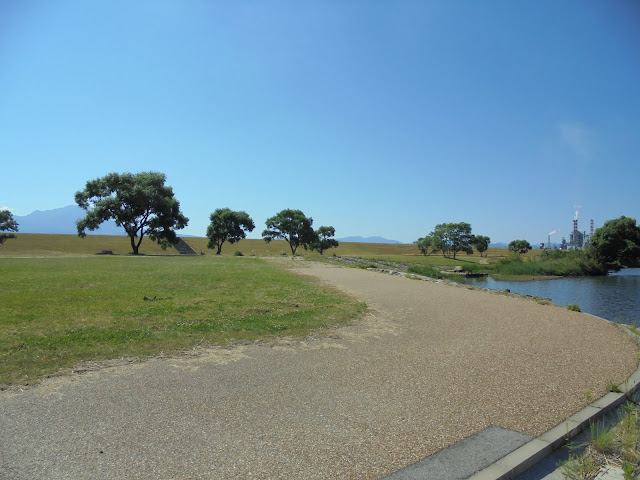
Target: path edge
(526, 456)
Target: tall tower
(576, 238)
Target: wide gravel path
(430, 365)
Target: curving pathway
(430, 365)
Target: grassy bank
(58, 312)
(609, 445)
(549, 262)
(539, 264)
(434, 273)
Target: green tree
(481, 243)
(617, 243)
(7, 224)
(324, 239)
(453, 238)
(227, 225)
(426, 245)
(140, 203)
(292, 226)
(519, 246)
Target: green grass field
(61, 304)
(58, 312)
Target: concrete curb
(525, 457)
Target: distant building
(563, 245)
(576, 239)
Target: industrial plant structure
(577, 239)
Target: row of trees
(143, 205)
(614, 245)
(293, 226)
(451, 238)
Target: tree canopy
(452, 238)
(227, 225)
(7, 224)
(519, 246)
(481, 243)
(617, 243)
(292, 226)
(426, 245)
(324, 239)
(140, 203)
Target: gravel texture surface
(430, 365)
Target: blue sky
(375, 117)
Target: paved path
(432, 364)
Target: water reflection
(615, 296)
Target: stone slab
(468, 456)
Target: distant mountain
(61, 220)
(367, 240)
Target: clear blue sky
(375, 117)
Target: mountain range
(62, 221)
(367, 240)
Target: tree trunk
(134, 247)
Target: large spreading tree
(519, 246)
(227, 226)
(324, 239)
(140, 203)
(7, 224)
(481, 243)
(452, 238)
(426, 245)
(617, 243)
(292, 226)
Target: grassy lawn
(58, 312)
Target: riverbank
(613, 297)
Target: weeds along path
(429, 365)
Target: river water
(615, 296)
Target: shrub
(427, 271)
(550, 262)
(574, 307)
(476, 268)
(238, 253)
